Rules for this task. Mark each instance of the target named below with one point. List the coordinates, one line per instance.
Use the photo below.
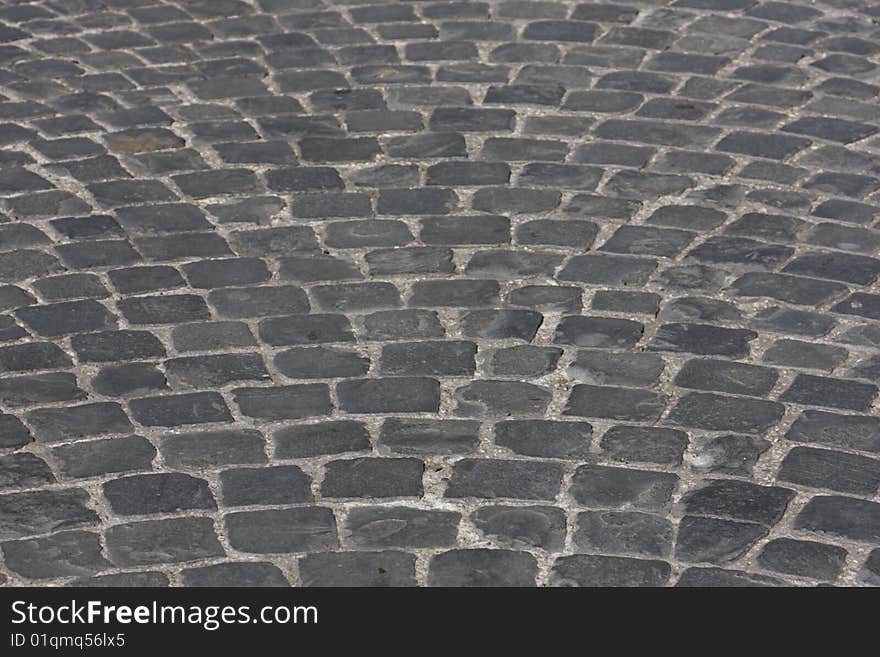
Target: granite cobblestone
(425, 293)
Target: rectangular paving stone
(163, 492)
(282, 530)
(93, 227)
(605, 487)
(741, 251)
(24, 470)
(482, 229)
(133, 280)
(215, 370)
(725, 376)
(464, 119)
(500, 398)
(830, 128)
(655, 132)
(738, 500)
(803, 558)
(491, 479)
(181, 246)
(769, 145)
(40, 388)
(53, 320)
(216, 183)
(284, 402)
(627, 532)
(607, 270)
(98, 253)
(601, 571)
(849, 268)
(722, 413)
(448, 358)
(284, 484)
(615, 403)
(373, 478)
(177, 410)
(32, 356)
(791, 289)
(74, 422)
(405, 436)
(201, 449)
(158, 219)
(644, 444)
(167, 309)
(861, 304)
(838, 471)
(244, 302)
(161, 541)
(99, 457)
(544, 438)
(482, 567)
(857, 432)
(843, 517)
(389, 395)
(306, 329)
(535, 526)
(702, 339)
(39, 512)
(61, 555)
(225, 272)
(454, 293)
(307, 440)
(108, 346)
(826, 391)
(390, 568)
(320, 363)
(715, 540)
(403, 527)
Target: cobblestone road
(440, 293)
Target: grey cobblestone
(495, 293)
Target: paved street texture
(303, 292)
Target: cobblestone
(493, 293)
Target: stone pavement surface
(316, 292)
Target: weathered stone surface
(98, 457)
(492, 479)
(55, 424)
(545, 438)
(482, 568)
(722, 413)
(384, 527)
(66, 554)
(712, 540)
(405, 436)
(157, 493)
(740, 500)
(282, 530)
(162, 541)
(522, 526)
(501, 398)
(646, 444)
(241, 574)
(623, 532)
(721, 577)
(601, 486)
(601, 571)
(844, 517)
(528, 292)
(389, 568)
(804, 558)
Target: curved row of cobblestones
(317, 292)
